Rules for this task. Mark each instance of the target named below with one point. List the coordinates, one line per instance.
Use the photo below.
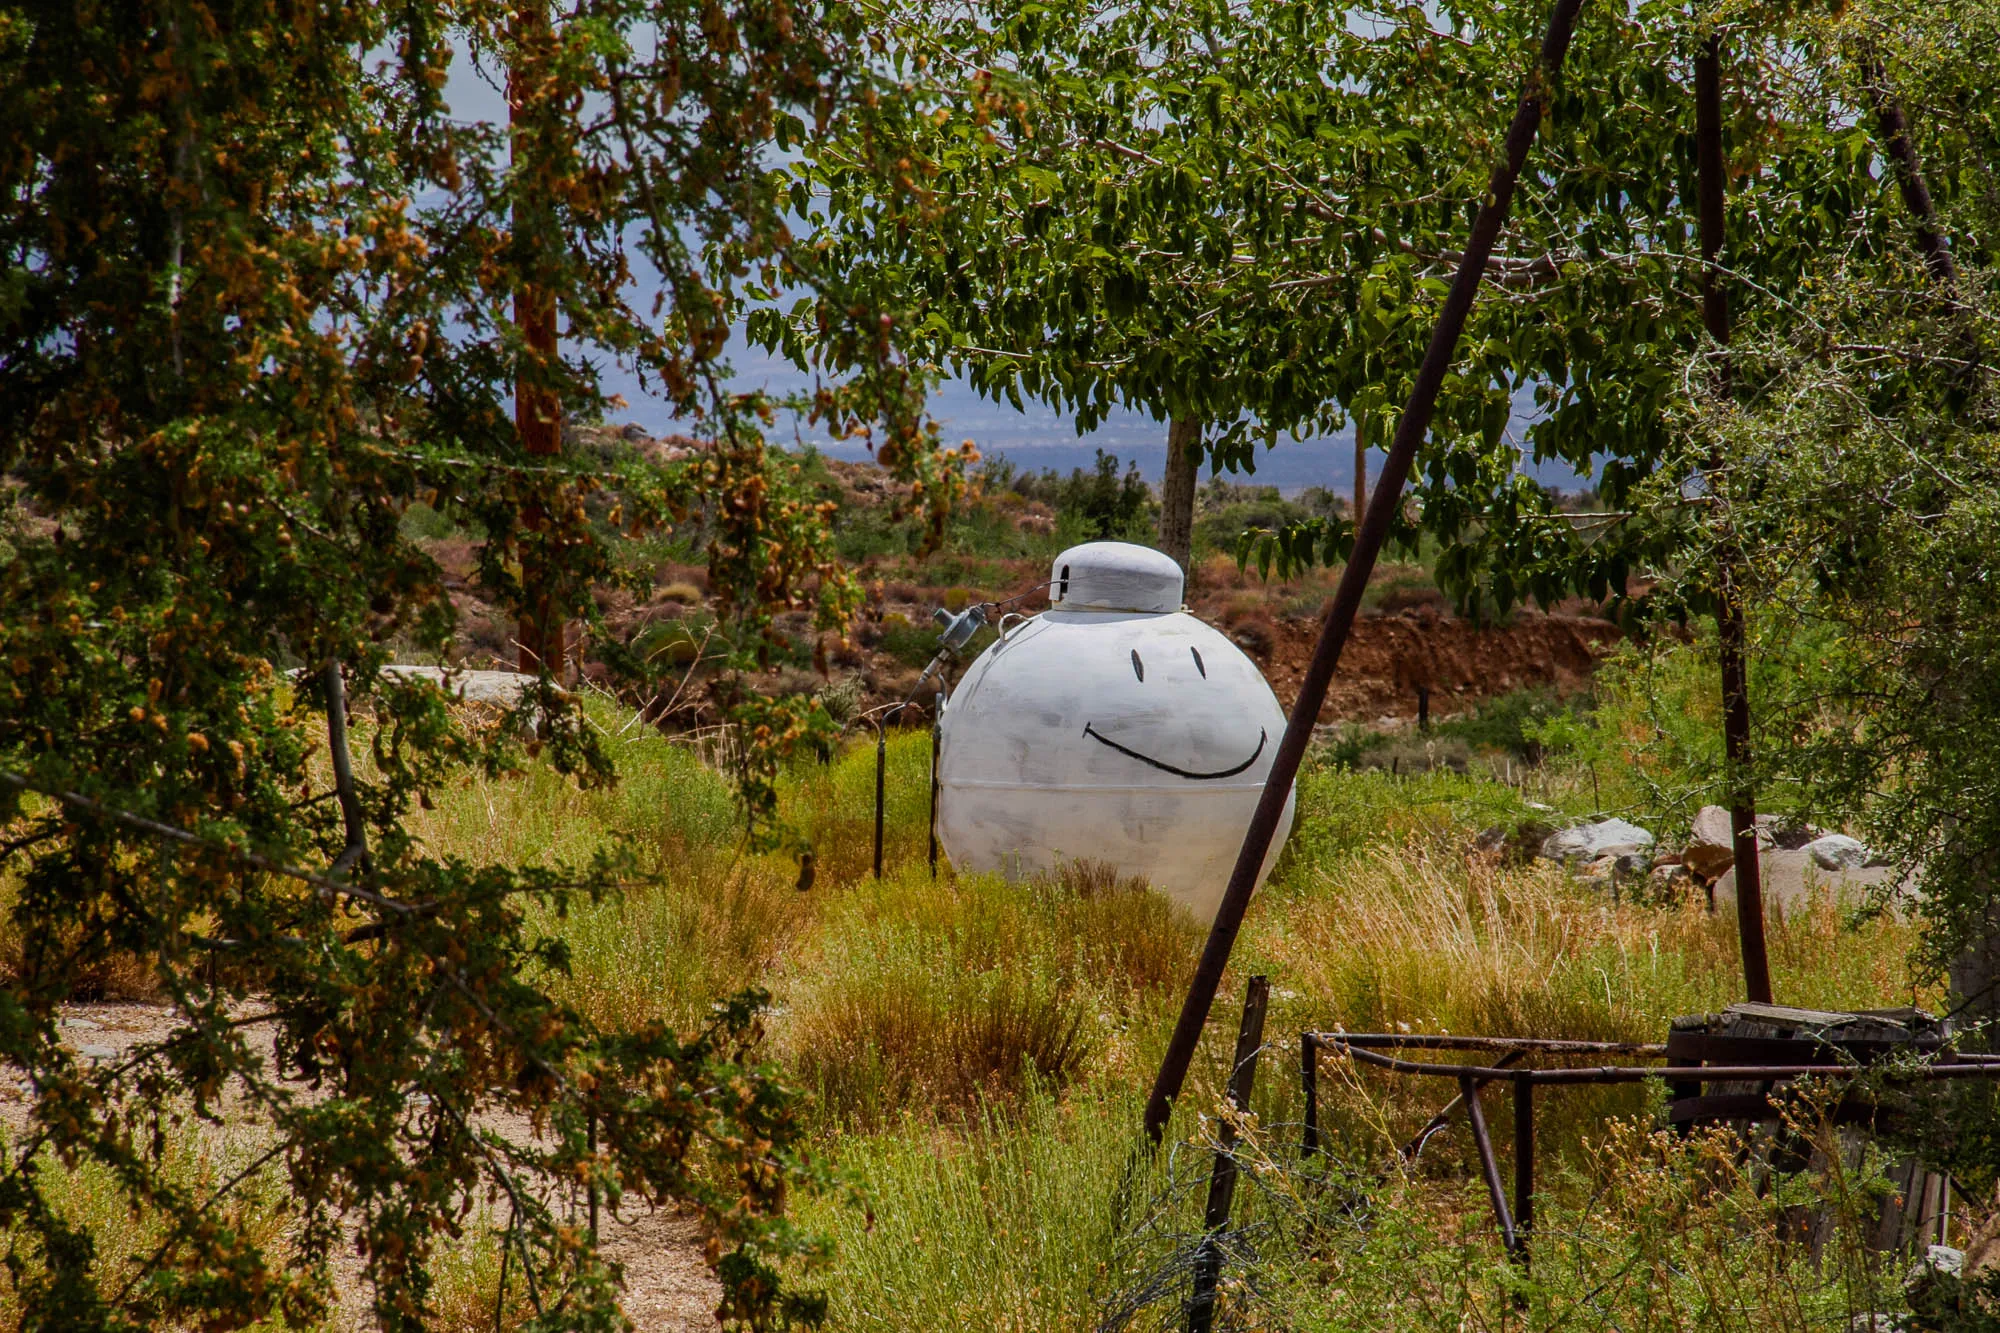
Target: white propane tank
(1114, 727)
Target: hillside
(999, 547)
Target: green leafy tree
(257, 299)
(1240, 218)
(1861, 483)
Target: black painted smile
(1262, 737)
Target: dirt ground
(669, 1287)
(1387, 657)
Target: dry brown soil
(669, 1287)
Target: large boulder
(1711, 846)
(501, 689)
(1837, 851)
(1789, 879)
(1590, 842)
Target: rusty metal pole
(1222, 1181)
(1372, 533)
(881, 775)
(937, 741)
(1710, 189)
(537, 409)
(1489, 1165)
(1524, 1163)
(1360, 464)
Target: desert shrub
(466, 1292)
(1410, 752)
(1651, 738)
(903, 1016)
(1416, 935)
(420, 522)
(1114, 932)
(913, 643)
(1511, 722)
(937, 996)
(86, 1195)
(1097, 505)
(1346, 748)
(832, 805)
(1342, 812)
(1225, 510)
(1005, 1224)
(1403, 590)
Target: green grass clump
(924, 997)
(1008, 1223)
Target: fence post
(881, 770)
(937, 742)
(1524, 1164)
(1222, 1181)
(1309, 1085)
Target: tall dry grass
(920, 996)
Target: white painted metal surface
(1113, 727)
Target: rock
(1669, 881)
(499, 688)
(1776, 831)
(98, 1052)
(1837, 851)
(1492, 841)
(1878, 1323)
(1938, 1259)
(1588, 842)
(1632, 865)
(1790, 877)
(1711, 847)
(1931, 1281)
(1711, 844)
(83, 1025)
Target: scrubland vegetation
(975, 1053)
(972, 1055)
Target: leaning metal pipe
(1368, 541)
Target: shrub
(1512, 723)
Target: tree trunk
(1711, 179)
(1360, 466)
(1177, 492)
(537, 410)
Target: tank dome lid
(1115, 576)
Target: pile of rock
(1795, 859)
(1612, 850)
(1792, 861)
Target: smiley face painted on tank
(1200, 670)
(1114, 727)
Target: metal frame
(1683, 1071)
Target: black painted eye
(1062, 583)
(1138, 667)
(1198, 664)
